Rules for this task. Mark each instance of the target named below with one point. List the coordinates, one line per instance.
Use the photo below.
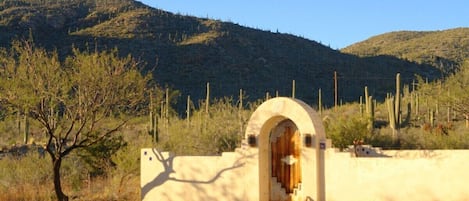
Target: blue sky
(337, 23)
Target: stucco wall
(397, 175)
(232, 176)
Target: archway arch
(266, 118)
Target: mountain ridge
(445, 49)
(186, 52)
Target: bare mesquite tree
(71, 99)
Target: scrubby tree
(72, 100)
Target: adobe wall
(231, 176)
(397, 175)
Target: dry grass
(115, 188)
(21, 180)
(27, 192)
(30, 177)
(203, 38)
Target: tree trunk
(57, 184)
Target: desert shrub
(344, 130)
(422, 138)
(98, 156)
(383, 138)
(220, 130)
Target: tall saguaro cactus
(320, 101)
(369, 109)
(188, 110)
(394, 105)
(417, 105)
(391, 113)
(397, 110)
(153, 120)
(360, 104)
(207, 98)
(240, 111)
(166, 114)
(336, 96)
(293, 90)
(26, 128)
(431, 117)
(207, 105)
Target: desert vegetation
(77, 104)
(74, 117)
(109, 169)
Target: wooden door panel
(285, 156)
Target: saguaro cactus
(369, 109)
(207, 98)
(26, 128)
(188, 110)
(390, 106)
(336, 96)
(166, 115)
(320, 101)
(240, 111)
(293, 90)
(153, 120)
(371, 113)
(417, 106)
(360, 104)
(431, 117)
(397, 100)
(267, 96)
(394, 105)
(207, 105)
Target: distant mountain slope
(185, 52)
(443, 49)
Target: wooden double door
(285, 158)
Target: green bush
(346, 129)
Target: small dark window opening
(308, 140)
(252, 141)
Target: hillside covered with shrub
(186, 52)
(445, 49)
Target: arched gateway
(290, 136)
(281, 159)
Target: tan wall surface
(402, 175)
(232, 176)
(399, 175)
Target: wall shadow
(165, 176)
